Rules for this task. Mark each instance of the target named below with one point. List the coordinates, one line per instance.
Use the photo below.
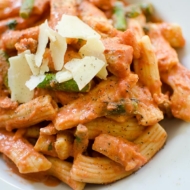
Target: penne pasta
(100, 76)
(46, 145)
(151, 141)
(64, 145)
(28, 114)
(61, 170)
(129, 129)
(147, 66)
(81, 140)
(22, 153)
(119, 150)
(98, 170)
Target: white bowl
(170, 168)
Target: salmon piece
(147, 111)
(173, 34)
(26, 44)
(179, 79)
(119, 57)
(166, 55)
(96, 19)
(119, 150)
(22, 153)
(60, 7)
(128, 37)
(10, 38)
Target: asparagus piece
(26, 8)
(147, 9)
(51, 83)
(135, 10)
(119, 16)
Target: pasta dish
(84, 85)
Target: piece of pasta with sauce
(22, 153)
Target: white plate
(170, 168)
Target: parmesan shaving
(30, 58)
(103, 73)
(18, 73)
(42, 43)
(94, 47)
(44, 67)
(84, 70)
(33, 82)
(63, 75)
(73, 27)
(58, 47)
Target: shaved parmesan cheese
(94, 47)
(42, 43)
(44, 67)
(36, 70)
(30, 58)
(63, 75)
(73, 27)
(58, 47)
(33, 82)
(83, 70)
(103, 73)
(18, 73)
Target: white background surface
(170, 168)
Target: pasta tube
(173, 34)
(33, 131)
(22, 153)
(48, 130)
(61, 170)
(147, 66)
(119, 150)
(97, 103)
(64, 145)
(178, 78)
(46, 145)
(151, 141)
(28, 114)
(119, 19)
(100, 170)
(129, 129)
(103, 170)
(165, 54)
(81, 140)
